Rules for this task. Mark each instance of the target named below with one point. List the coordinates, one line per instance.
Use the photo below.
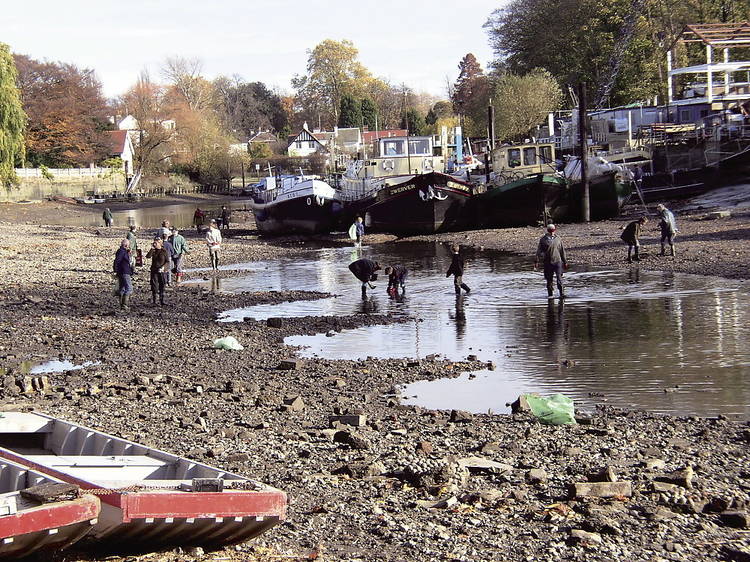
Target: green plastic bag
(554, 410)
(229, 342)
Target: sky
(415, 42)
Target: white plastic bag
(229, 342)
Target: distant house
(369, 137)
(119, 144)
(265, 137)
(306, 143)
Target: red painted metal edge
(50, 516)
(239, 503)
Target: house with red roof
(119, 144)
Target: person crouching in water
(396, 277)
(364, 270)
(457, 270)
(159, 262)
(552, 252)
(123, 268)
(631, 236)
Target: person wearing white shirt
(213, 241)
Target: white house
(306, 143)
(119, 144)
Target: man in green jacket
(107, 217)
(180, 248)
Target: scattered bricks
(735, 519)
(578, 536)
(536, 476)
(290, 365)
(354, 441)
(361, 470)
(51, 492)
(274, 322)
(663, 487)
(654, 464)
(682, 477)
(717, 504)
(602, 489)
(357, 420)
(478, 465)
(238, 457)
(491, 447)
(459, 416)
(605, 475)
(328, 434)
(141, 380)
(521, 405)
(294, 404)
(424, 447)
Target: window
(685, 116)
(420, 147)
(514, 157)
(545, 154)
(529, 156)
(394, 148)
(298, 144)
(311, 144)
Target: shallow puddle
(626, 335)
(51, 366)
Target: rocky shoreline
(386, 481)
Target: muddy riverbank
(402, 483)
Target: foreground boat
(295, 205)
(38, 512)
(424, 204)
(150, 499)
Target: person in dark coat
(552, 254)
(364, 270)
(159, 264)
(124, 270)
(167, 245)
(224, 218)
(631, 236)
(396, 277)
(107, 217)
(457, 270)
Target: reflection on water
(629, 335)
(179, 215)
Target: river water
(179, 215)
(670, 343)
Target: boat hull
(527, 201)
(424, 204)
(607, 196)
(296, 216)
(149, 497)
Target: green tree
(414, 121)
(12, 119)
(350, 112)
(369, 113)
(470, 96)
(260, 151)
(523, 102)
(332, 71)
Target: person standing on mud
(224, 218)
(396, 277)
(213, 241)
(167, 245)
(159, 261)
(551, 251)
(130, 236)
(631, 236)
(107, 217)
(668, 228)
(179, 249)
(364, 270)
(198, 217)
(165, 229)
(124, 271)
(456, 269)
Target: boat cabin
(399, 156)
(524, 159)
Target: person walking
(165, 229)
(107, 216)
(130, 236)
(124, 270)
(159, 261)
(364, 270)
(668, 228)
(552, 253)
(179, 249)
(224, 218)
(167, 245)
(456, 269)
(213, 241)
(396, 277)
(631, 236)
